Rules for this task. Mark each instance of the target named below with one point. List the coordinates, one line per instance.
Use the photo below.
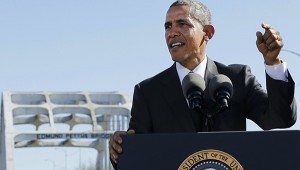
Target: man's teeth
(176, 44)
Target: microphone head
(192, 81)
(220, 81)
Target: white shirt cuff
(277, 72)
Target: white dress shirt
(200, 69)
(277, 72)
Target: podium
(264, 150)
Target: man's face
(184, 36)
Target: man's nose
(173, 32)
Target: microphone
(220, 90)
(193, 86)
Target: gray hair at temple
(198, 10)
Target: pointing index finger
(266, 26)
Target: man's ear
(209, 32)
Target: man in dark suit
(159, 105)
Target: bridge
(105, 112)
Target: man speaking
(160, 106)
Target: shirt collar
(200, 69)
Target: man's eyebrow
(182, 20)
(167, 23)
(179, 20)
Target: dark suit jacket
(159, 105)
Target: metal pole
(290, 51)
(295, 53)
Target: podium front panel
(266, 150)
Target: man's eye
(167, 26)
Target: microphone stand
(208, 115)
(208, 123)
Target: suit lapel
(173, 94)
(211, 71)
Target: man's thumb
(131, 131)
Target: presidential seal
(210, 160)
